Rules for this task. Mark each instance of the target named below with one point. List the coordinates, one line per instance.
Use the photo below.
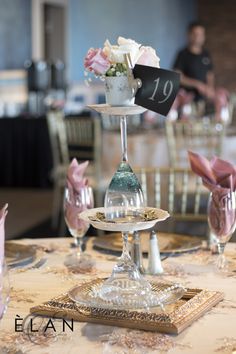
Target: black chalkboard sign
(159, 88)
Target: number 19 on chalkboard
(167, 91)
(159, 88)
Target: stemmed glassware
(222, 222)
(4, 288)
(74, 203)
(123, 195)
(124, 190)
(124, 210)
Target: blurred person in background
(195, 66)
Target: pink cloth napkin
(75, 175)
(74, 223)
(3, 214)
(219, 176)
(216, 174)
(75, 182)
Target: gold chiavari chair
(177, 190)
(203, 137)
(78, 137)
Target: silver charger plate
(168, 242)
(19, 255)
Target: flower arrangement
(109, 61)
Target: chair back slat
(171, 191)
(185, 192)
(157, 186)
(197, 196)
(143, 178)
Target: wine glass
(76, 201)
(4, 288)
(222, 221)
(123, 198)
(124, 190)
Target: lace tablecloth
(212, 333)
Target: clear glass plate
(160, 294)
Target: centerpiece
(124, 208)
(111, 66)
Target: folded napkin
(3, 214)
(76, 225)
(75, 183)
(216, 174)
(219, 176)
(75, 175)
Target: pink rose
(96, 61)
(148, 56)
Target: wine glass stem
(78, 245)
(221, 248)
(125, 256)
(123, 131)
(221, 262)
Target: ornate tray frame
(194, 304)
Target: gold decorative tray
(168, 242)
(178, 316)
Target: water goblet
(4, 288)
(76, 201)
(222, 222)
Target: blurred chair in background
(70, 137)
(179, 191)
(112, 123)
(203, 136)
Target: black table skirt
(25, 152)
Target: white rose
(129, 46)
(112, 52)
(115, 53)
(148, 56)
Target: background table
(25, 152)
(34, 286)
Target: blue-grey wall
(158, 23)
(15, 33)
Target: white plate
(122, 226)
(117, 110)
